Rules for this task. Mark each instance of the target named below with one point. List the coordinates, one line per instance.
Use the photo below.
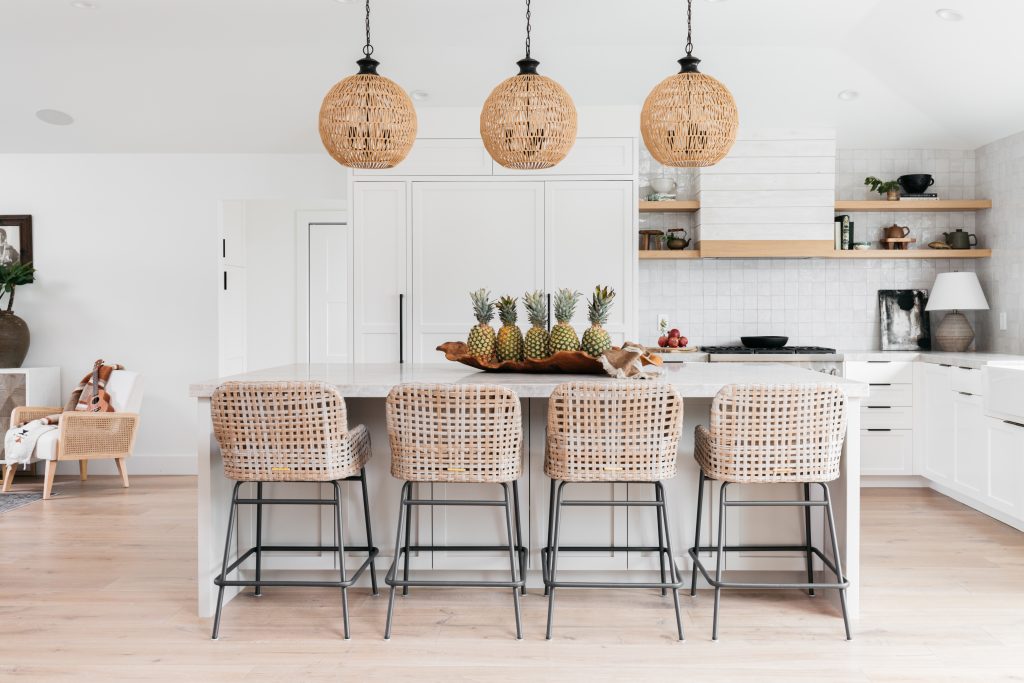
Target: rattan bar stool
(445, 433)
(290, 432)
(611, 432)
(768, 434)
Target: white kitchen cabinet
(887, 451)
(935, 408)
(970, 471)
(589, 157)
(380, 268)
(590, 240)
(1004, 485)
(887, 416)
(881, 372)
(330, 314)
(468, 235)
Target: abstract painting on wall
(904, 322)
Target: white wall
(126, 247)
(1001, 178)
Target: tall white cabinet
(425, 239)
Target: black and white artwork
(15, 239)
(904, 322)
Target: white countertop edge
(967, 359)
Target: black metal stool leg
(835, 555)
(512, 559)
(408, 537)
(696, 534)
(661, 532)
(546, 561)
(808, 540)
(369, 534)
(259, 538)
(519, 536)
(554, 558)
(718, 559)
(224, 566)
(402, 509)
(663, 512)
(341, 556)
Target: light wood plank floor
(99, 586)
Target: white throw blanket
(20, 442)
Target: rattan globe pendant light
(529, 121)
(367, 120)
(689, 119)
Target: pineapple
(536, 345)
(563, 337)
(596, 340)
(510, 337)
(481, 336)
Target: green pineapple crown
(483, 307)
(507, 310)
(600, 305)
(565, 304)
(536, 308)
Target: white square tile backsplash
(813, 301)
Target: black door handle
(401, 328)
(549, 314)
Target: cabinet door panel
(468, 235)
(589, 156)
(439, 157)
(886, 452)
(936, 412)
(330, 330)
(1005, 486)
(971, 469)
(590, 240)
(379, 265)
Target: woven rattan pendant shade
(367, 120)
(689, 119)
(529, 121)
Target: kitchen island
(365, 386)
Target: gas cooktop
(787, 350)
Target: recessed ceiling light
(54, 117)
(848, 95)
(419, 95)
(949, 15)
(83, 4)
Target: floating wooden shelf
(913, 205)
(912, 253)
(675, 205)
(668, 254)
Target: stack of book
(923, 195)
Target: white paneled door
(590, 240)
(330, 295)
(468, 235)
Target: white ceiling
(248, 75)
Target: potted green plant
(14, 335)
(890, 188)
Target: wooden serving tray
(669, 349)
(562, 362)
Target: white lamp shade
(957, 292)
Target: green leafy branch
(14, 275)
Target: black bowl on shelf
(764, 342)
(915, 183)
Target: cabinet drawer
(890, 371)
(887, 453)
(967, 380)
(889, 417)
(896, 395)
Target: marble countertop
(966, 359)
(375, 380)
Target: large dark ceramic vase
(14, 340)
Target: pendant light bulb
(689, 119)
(528, 122)
(367, 120)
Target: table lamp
(955, 292)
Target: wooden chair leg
(83, 469)
(8, 478)
(51, 469)
(123, 470)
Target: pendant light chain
(689, 27)
(368, 48)
(527, 28)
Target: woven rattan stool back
(613, 431)
(455, 433)
(774, 433)
(283, 431)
